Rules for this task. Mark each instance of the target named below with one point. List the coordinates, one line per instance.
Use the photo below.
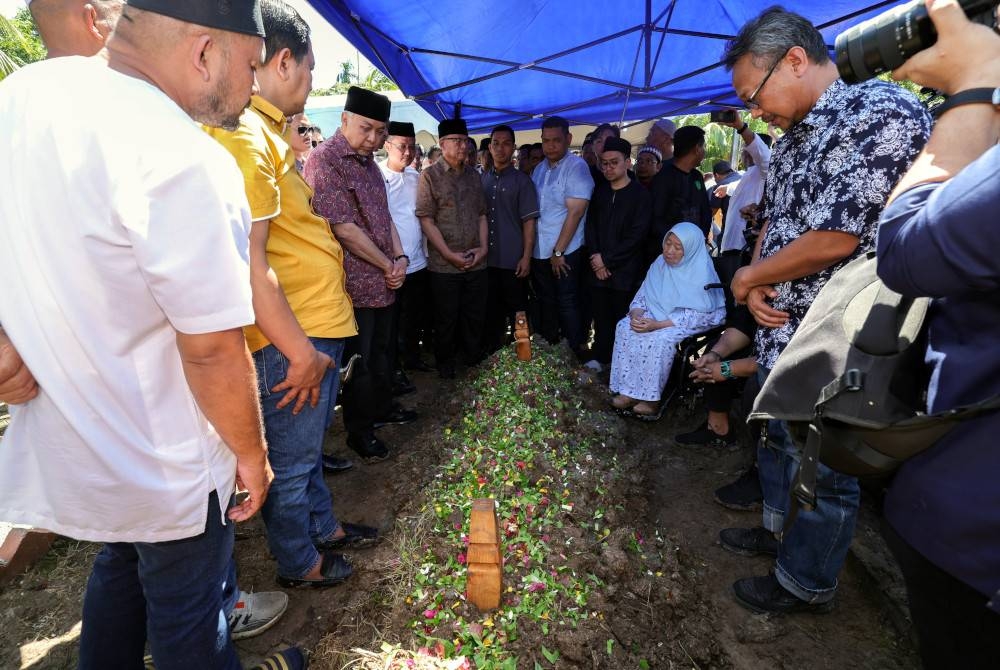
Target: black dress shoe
(749, 541)
(335, 569)
(335, 464)
(705, 436)
(401, 384)
(398, 417)
(369, 448)
(766, 595)
(744, 494)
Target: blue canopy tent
(516, 61)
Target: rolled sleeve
(249, 147)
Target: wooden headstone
(483, 587)
(522, 337)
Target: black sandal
(335, 568)
(357, 537)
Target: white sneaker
(593, 365)
(254, 613)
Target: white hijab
(669, 287)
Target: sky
(329, 47)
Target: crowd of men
(227, 278)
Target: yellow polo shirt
(301, 249)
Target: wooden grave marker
(485, 582)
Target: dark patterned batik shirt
(834, 171)
(349, 187)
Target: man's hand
(396, 274)
(17, 385)
(303, 379)
(721, 191)
(603, 273)
(254, 476)
(473, 257)
(596, 262)
(560, 268)
(707, 372)
(966, 55)
(763, 313)
(736, 125)
(523, 268)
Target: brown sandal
(647, 410)
(623, 402)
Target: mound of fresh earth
(609, 543)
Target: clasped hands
(468, 259)
(597, 265)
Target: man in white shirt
(147, 413)
(411, 319)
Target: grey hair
(769, 37)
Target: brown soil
(667, 604)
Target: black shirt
(617, 226)
(677, 196)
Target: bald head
(208, 72)
(75, 27)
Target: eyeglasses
(456, 140)
(306, 129)
(751, 102)
(403, 148)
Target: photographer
(939, 238)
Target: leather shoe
(335, 569)
(744, 494)
(749, 541)
(766, 595)
(335, 464)
(368, 447)
(401, 384)
(399, 417)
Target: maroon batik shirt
(349, 188)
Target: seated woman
(671, 304)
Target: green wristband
(726, 369)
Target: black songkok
(368, 104)
(452, 127)
(236, 16)
(618, 144)
(401, 129)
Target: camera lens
(888, 40)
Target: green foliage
(375, 81)
(20, 43)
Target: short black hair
(615, 130)
(589, 140)
(686, 139)
(536, 145)
(503, 128)
(769, 36)
(285, 29)
(556, 122)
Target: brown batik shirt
(454, 199)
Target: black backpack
(851, 384)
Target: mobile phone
(723, 115)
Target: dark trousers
(506, 295)
(412, 318)
(955, 628)
(559, 300)
(459, 315)
(171, 594)
(609, 306)
(368, 396)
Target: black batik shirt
(833, 171)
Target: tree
(346, 75)
(20, 43)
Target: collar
(446, 167)
(826, 106)
(340, 147)
(269, 111)
(558, 162)
(506, 170)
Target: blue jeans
(170, 593)
(813, 550)
(559, 300)
(298, 511)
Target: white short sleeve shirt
(401, 191)
(123, 223)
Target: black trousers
(506, 295)
(459, 315)
(559, 300)
(413, 318)
(368, 396)
(955, 628)
(609, 306)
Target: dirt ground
(667, 605)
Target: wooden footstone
(485, 582)
(522, 337)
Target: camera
(723, 115)
(888, 40)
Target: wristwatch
(556, 253)
(972, 96)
